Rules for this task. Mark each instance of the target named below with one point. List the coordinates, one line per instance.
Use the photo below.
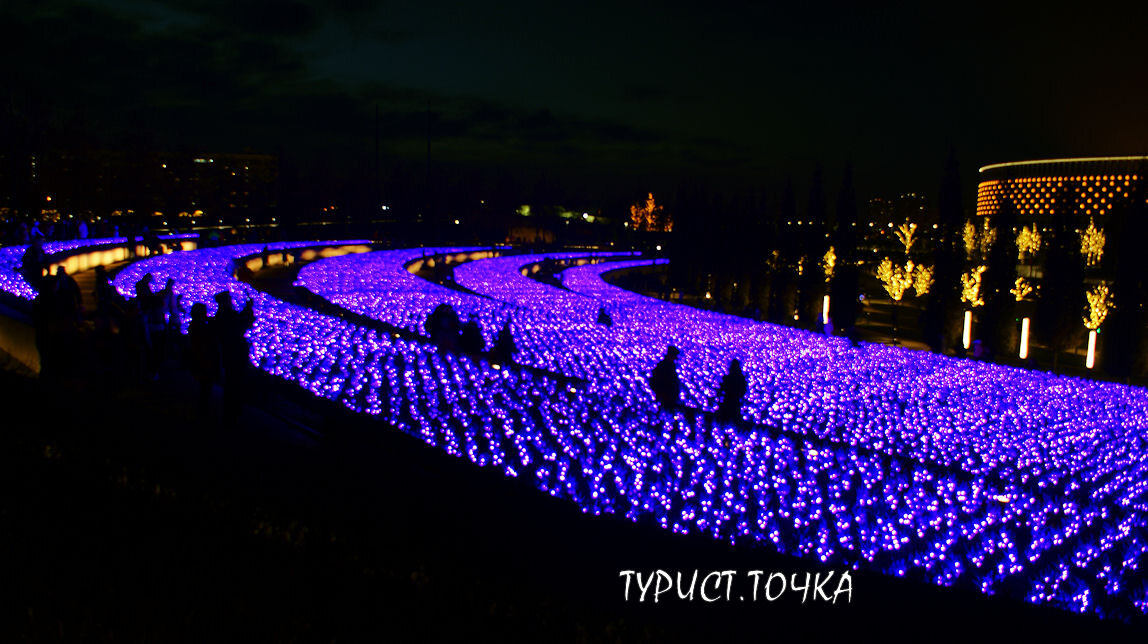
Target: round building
(1080, 188)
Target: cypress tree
(999, 279)
(940, 320)
(1123, 341)
(1059, 310)
(845, 287)
(813, 247)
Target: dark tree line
(998, 320)
(758, 260)
(1124, 341)
(941, 319)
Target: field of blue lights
(952, 471)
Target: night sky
(595, 96)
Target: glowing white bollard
(1091, 361)
(1024, 339)
(967, 337)
(825, 310)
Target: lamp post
(1024, 339)
(1090, 362)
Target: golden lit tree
(923, 280)
(969, 235)
(1092, 243)
(978, 242)
(1022, 289)
(898, 279)
(828, 263)
(971, 286)
(988, 237)
(1099, 303)
(906, 234)
(894, 278)
(650, 216)
(1027, 242)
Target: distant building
(911, 206)
(227, 187)
(221, 186)
(883, 215)
(1083, 189)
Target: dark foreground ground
(132, 519)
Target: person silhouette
(443, 327)
(604, 317)
(231, 325)
(504, 347)
(32, 263)
(203, 353)
(664, 379)
(471, 341)
(732, 391)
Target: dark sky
(591, 92)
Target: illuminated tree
(978, 243)
(828, 263)
(1022, 289)
(1092, 243)
(1027, 242)
(898, 279)
(971, 287)
(894, 278)
(988, 236)
(969, 236)
(1099, 303)
(906, 234)
(923, 280)
(650, 216)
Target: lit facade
(1079, 188)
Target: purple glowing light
(874, 469)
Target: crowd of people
(449, 334)
(18, 233)
(140, 335)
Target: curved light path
(378, 285)
(198, 275)
(12, 259)
(502, 279)
(1079, 546)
